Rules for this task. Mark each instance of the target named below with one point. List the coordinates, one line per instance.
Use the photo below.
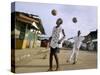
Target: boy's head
(79, 32)
(59, 21)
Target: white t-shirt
(55, 37)
(60, 45)
(78, 41)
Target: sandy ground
(37, 60)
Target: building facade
(90, 42)
(25, 29)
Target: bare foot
(67, 61)
(50, 69)
(74, 63)
(58, 69)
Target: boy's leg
(76, 55)
(50, 60)
(74, 58)
(72, 55)
(77, 52)
(57, 61)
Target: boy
(77, 43)
(54, 43)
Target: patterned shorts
(54, 50)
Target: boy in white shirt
(54, 43)
(76, 46)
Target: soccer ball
(54, 12)
(74, 20)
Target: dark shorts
(54, 50)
